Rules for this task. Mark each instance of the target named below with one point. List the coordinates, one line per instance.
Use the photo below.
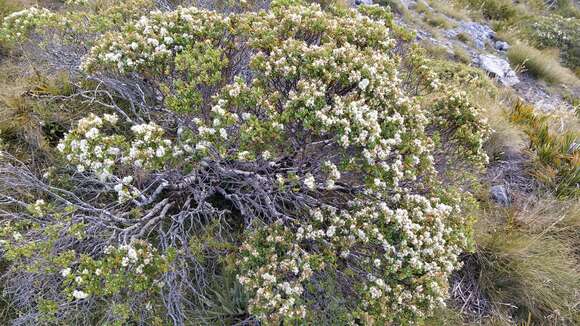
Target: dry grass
(529, 267)
(539, 64)
(449, 9)
(461, 55)
(437, 20)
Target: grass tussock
(528, 263)
(529, 276)
(540, 64)
(437, 20)
(461, 55)
(506, 135)
(493, 9)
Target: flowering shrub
(381, 250)
(288, 131)
(16, 25)
(555, 31)
(90, 18)
(132, 268)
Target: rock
(409, 4)
(479, 33)
(363, 2)
(498, 67)
(500, 195)
(501, 46)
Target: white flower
(132, 254)
(92, 133)
(309, 182)
(118, 187)
(223, 133)
(160, 151)
(330, 232)
(266, 155)
(375, 293)
(152, 42)
(17, 236)
(79, 295)
(65, 272)
(111, 118)
(363, 84)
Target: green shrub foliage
(279, 145)
(554, 31)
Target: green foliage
(463, 125)
(554, 31)
(125, 276)
(273, 166)
(557, 156)
(494, 9)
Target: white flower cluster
(79, 295)
(333, 174)
(77, 2)
(154, 38)
(137, 258)
(149, 147)
(379, 120)
(38, 209)
(407, 242)
(19, 23)
(278, 282)
(135, 262)
(88, 148)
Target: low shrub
(555, 31)
(494, 9)
(277, 153)
(557, 155)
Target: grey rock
(499, 68)
(479, 33)
(363, 2)
(500, 195)
(409, 4)
(501, 46)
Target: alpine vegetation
(288, 155)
